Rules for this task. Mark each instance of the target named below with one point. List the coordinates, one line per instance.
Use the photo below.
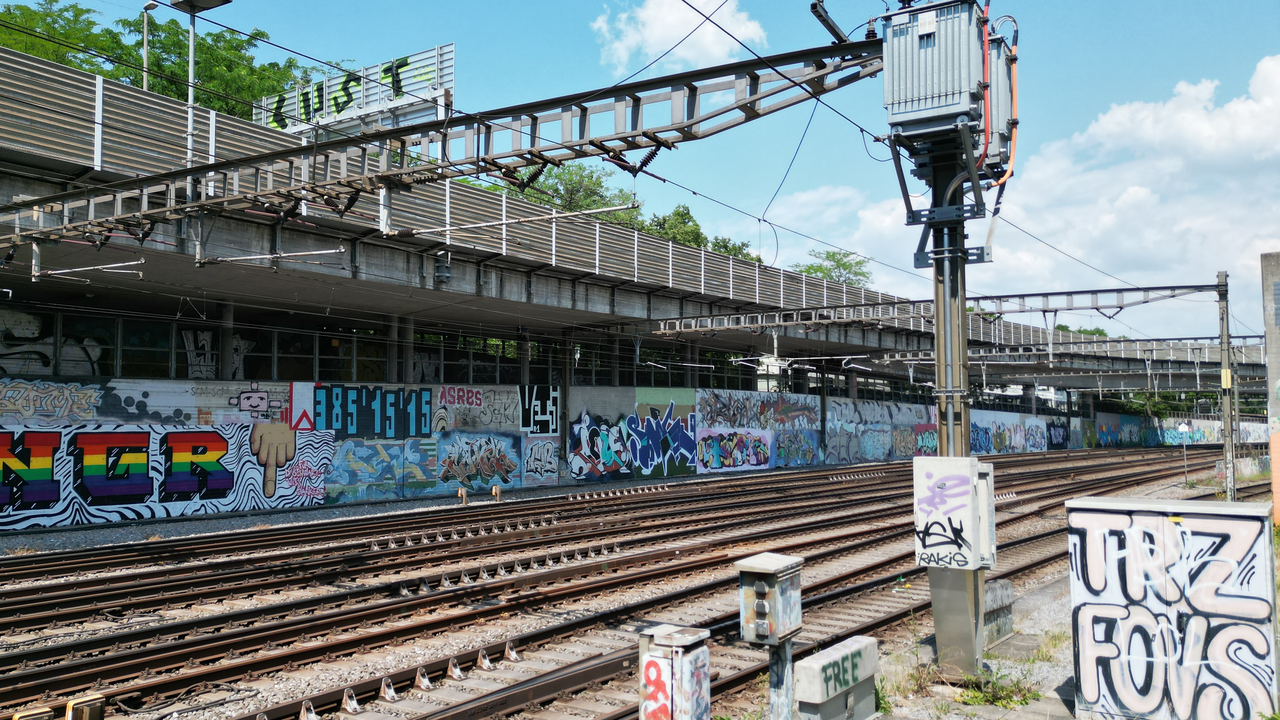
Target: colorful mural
(79, 452)
(725, 450)
(656, 439)
(870, 431)
(94, 473)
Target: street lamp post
(1182, 428)
(193, 8)
(146, 54)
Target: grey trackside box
(769, 597)
(839, 682)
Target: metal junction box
(954, 513)
(933, 74)
(1001, 91)
(769, 597)
(675, 674)
(933, 66)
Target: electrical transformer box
(1001, 92)
(933, 66)
(769, 597)
(934, 73)
(954, 513)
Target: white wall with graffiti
(632, 434)
(1173, 609)
(75, 453)
(237, 446)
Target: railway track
(592, 586)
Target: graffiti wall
(412, 441)
(1005, 432)
(871, 431)
(81, 452)
(1173, 609)
(246, 445)
(95, 472)
(744, 430)
(633, 433)
(540, 426)
(1059, 432)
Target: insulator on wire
(648, 158)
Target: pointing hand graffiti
(274, 444)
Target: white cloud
(650, 29)
(1156, 193)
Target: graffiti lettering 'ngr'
(1173, 609)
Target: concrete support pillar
(617, 362)
(566, 383)
(690, 373)
(1029, 397)
(822, 412)
(393, 349)
(800, 382)
(524, 351)
(851, 380)
(407, 374)
(226, 355)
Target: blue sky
(1149, 141)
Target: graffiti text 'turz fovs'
(373, 412)
(1173, 614)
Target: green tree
(72, 24)
(1097, 331)
(225, 66)
(836, 266)
(225, 63)
(739, 249)
(574, 187)
(679, 226)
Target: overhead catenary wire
(865, 132)
(706, 18)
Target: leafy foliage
(989, 688)
(228, 76)
(575, 186)
(836, 266)
(1096, 331)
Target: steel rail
(1125, 480)
(33, 607)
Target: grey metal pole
(1228, 419)
(782, 691)
(191, 95)
(146, 54)
(957, 595)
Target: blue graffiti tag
(658, 440)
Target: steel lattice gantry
(365, 171)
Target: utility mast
(1228, 407)
(950, 88)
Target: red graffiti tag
(657, 699)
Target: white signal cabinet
(954, 508)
